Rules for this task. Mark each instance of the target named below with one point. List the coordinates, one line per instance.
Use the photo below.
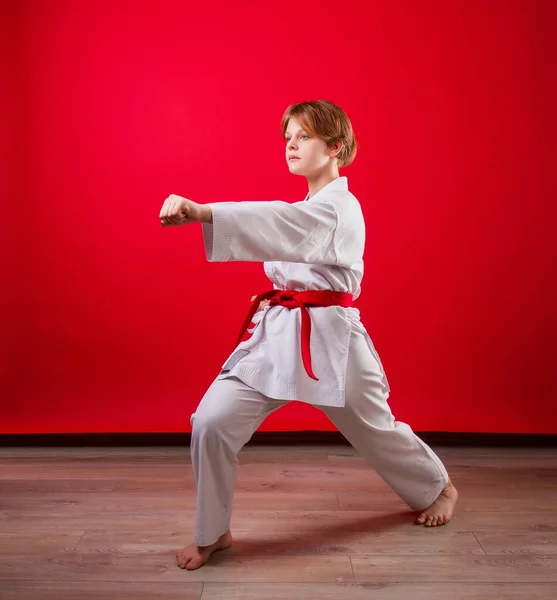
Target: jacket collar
(340, 184)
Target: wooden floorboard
(311, 522)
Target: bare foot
(193, 556)
(441, 511)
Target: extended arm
(269, 231)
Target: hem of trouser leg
(433, 494)
(203, 543)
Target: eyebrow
(300, 130)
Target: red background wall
(112, 323)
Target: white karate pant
(230, 412)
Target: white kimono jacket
(315, 244)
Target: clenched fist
(262, 304)
(181, 211)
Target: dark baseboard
(439, 438)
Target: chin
(294, 170)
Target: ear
(334, 150)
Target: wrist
(206, 214)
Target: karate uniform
(315, 244)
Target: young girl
(308, 342)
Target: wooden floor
(313, 522)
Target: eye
(305, 136)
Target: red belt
(293, 299)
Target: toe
(193, 564)
(421, 519)
(429, 521)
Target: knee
(206, 427)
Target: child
(308, 342)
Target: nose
(291, 145)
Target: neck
(320, 180)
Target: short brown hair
(327, 121)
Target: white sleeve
(277, 231)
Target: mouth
(290, 158)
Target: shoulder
(343, 201)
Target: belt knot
(294, 299)
(285, 298)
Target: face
(311, 152)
